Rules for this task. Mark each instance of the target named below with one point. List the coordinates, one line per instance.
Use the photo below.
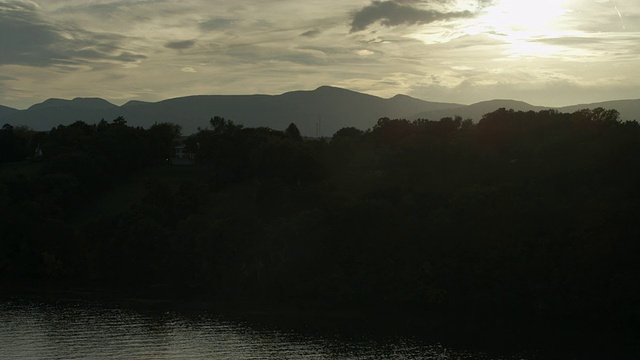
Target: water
(92, 330)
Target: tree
(292, 132)
(601, 115)
(221, 126)
(15, 143)
(162, 139)
(119, 121)
(347, 133)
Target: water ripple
(32, 330)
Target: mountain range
(322, 111)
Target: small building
(181, 156)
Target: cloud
(606, 39)
(270, 55)
(29, 39)
(311, 33)
(364, 52)
(391, 13)
(597, 47)
(26, 37)
(181, 45)
(216, 24)
(538, 91)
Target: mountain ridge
(7, 110)
(81, 102)
(321, 111)
(476, 110)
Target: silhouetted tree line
(41, 195)
(523, 213)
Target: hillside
(53, 112)
(5, 110)
(475, 111)
(322, 111)
(629, 109)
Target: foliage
(524, 212)
(292, 132)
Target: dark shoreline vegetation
(523, 217)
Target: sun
(518, 22)
(528, 16)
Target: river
(37, 329)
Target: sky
(545, 52)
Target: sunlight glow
(519, 49)
(520, 25)
(519, 22)
(521, 15)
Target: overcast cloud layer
(544, 52)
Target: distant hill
(321, 111)
(53, 112)
(629, 109)
(475, 111)
(6, 111)
(324, 110)
(134, 103)
(328, 108)
(77, 103)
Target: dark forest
(524, 214)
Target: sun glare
(518, 15)
(516, 22)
